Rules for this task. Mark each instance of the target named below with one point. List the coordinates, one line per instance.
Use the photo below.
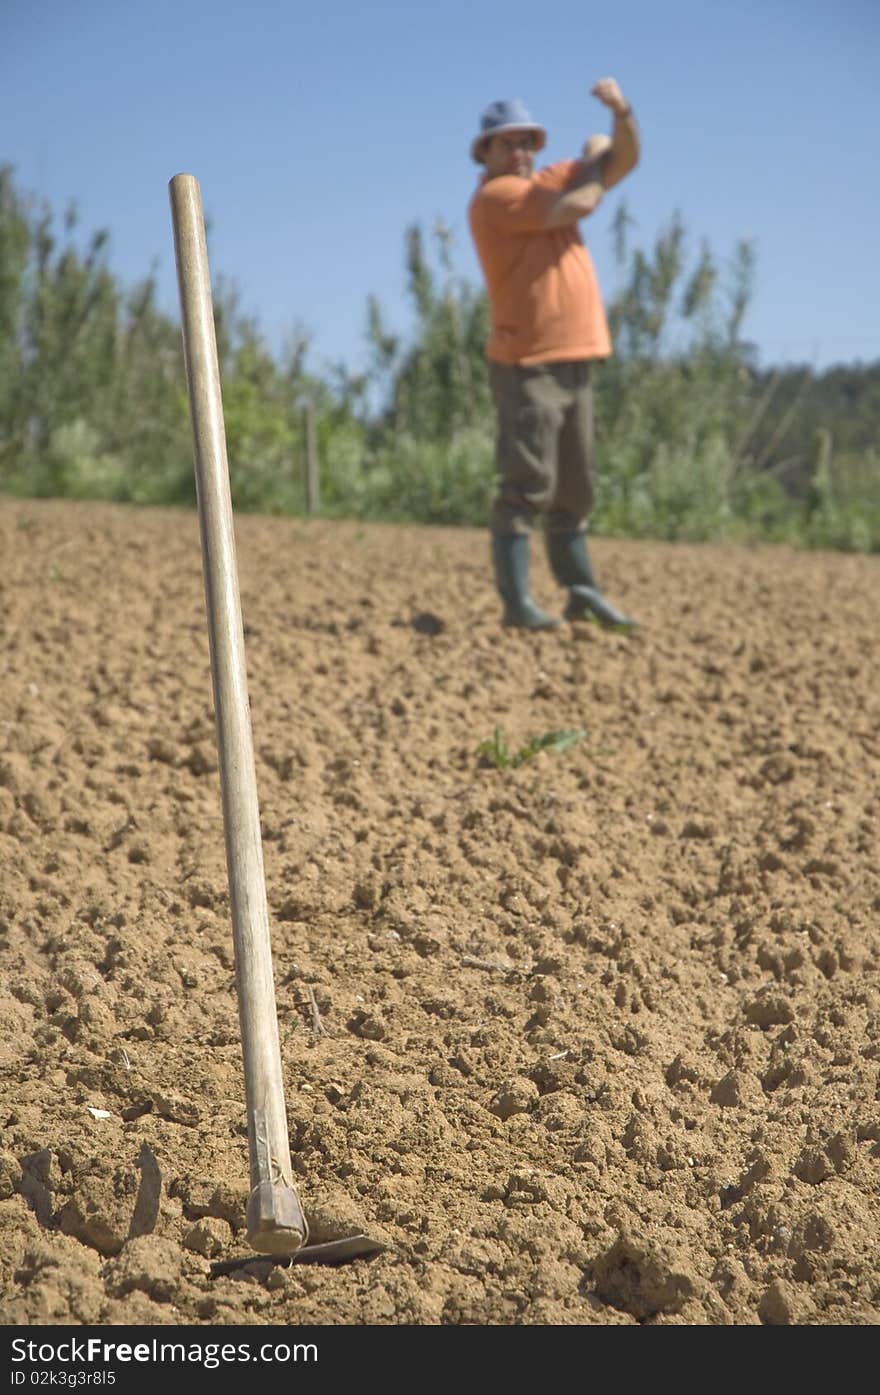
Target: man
(547, 326)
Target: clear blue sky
(319, 132)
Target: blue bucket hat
(512, 115)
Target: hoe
(276, 1223)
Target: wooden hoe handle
(275, 1220)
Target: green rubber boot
(570, 562)
(510, 555)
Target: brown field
(594, 1040)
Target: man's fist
(595, 147)
(610, 95)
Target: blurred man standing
(547, 326)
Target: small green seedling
(496, 752)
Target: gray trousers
(545, 454)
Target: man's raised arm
(622, 155)
(605, 160)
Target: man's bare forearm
(623, 153)
(581, 198)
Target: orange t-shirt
(544, 298)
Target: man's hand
(594, 148)
(610, 95)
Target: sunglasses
(518, 140)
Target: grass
(496, 752)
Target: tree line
(695, 440)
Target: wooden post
(275, 1220)
(313, 481)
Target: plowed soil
(589, 1039)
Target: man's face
(511, 152)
